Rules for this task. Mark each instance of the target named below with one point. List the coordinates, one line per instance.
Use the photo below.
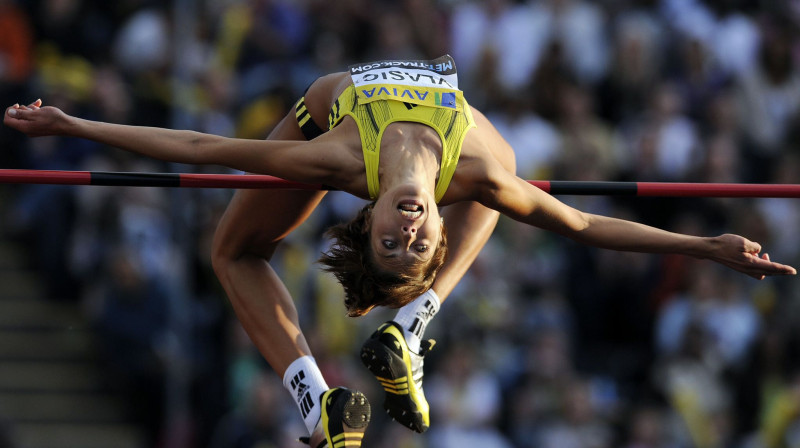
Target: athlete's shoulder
(334, 78)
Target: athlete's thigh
(256, 220)
(469, 226)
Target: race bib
(429, 83)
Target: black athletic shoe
(399, 370)
(345, 417)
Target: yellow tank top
(423, 92)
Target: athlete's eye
(422, 248)
(389, 244)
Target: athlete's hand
(35, 120)
(741, 254)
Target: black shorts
(304, 120)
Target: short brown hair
(365, 284)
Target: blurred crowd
(545, 343)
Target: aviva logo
(425, 96)
(404, 93)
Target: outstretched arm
(523, 202)
(291, 160)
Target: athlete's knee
(221, 256)
(227, 251)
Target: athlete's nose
(410, 234)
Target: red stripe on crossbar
(718, 190)
(45, 177)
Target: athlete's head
(388, 255)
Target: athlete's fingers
(20, 107)
(752, 247)
(19, 113)
(33, 106)
(763, 265)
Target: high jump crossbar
(583, 188)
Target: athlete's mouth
(410, 209)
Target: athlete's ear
(368, 217)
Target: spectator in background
(430, 26)
(143, 43)
(275, 40)
(536, 394)
(706, 340)
(663, 144)
(394, 36)
(350, 22)
(466, 399)
(775, 378)
(781, 421)
(730, 36)
(257, 409)
(589, 148)
(61, 23)
(580, 424)
(722, 160)
(714, 304)
(579, 28)
(647, 429)
(535, 141)
(134, 330)
(16, 66)
(769, 99)
(698, 76)
(142, 50)
(721, 137)
(639, 40)
(258, 424)
(691, 382)
(16, 45)
(501, 37)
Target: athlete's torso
(479, 143)
(387, 92)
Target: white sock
(414, 317)
(304, 381)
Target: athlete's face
(405, 229)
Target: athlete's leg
(250, 230)
(246, 238)
(395, 352)
(469, 226)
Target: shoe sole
(390, 370)
(355, 414)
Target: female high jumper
(400, 134)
